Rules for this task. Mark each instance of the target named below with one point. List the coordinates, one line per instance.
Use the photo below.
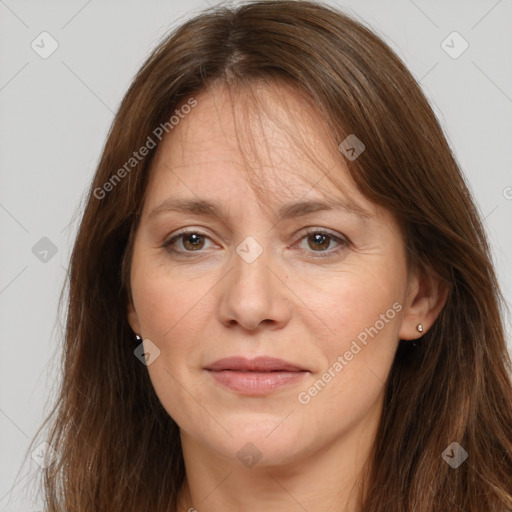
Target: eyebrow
(287, 211)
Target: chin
(260, 440)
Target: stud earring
(419, 327)
(138, 339)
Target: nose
(255, 294)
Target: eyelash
(343, 241)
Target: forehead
(268, 138)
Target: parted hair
(118, 449)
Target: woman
(281, 295)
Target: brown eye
(190, 241)
(319, 241)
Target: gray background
(55, 114)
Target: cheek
(357, 359)
(171, 317)
(362, 315)
(353, 300)
(172, 313)
(165, 300)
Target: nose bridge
(251, 272)
(253, 294)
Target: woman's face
(325, 290)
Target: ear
(425, 299)
(133, 318)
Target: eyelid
(325, 231)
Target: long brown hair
(118, 448)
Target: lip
(258, 364)
(258, 376)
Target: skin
(199, 306)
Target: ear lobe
(427, 297)
(133, 318)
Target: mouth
(255, 377)
(259, 364)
